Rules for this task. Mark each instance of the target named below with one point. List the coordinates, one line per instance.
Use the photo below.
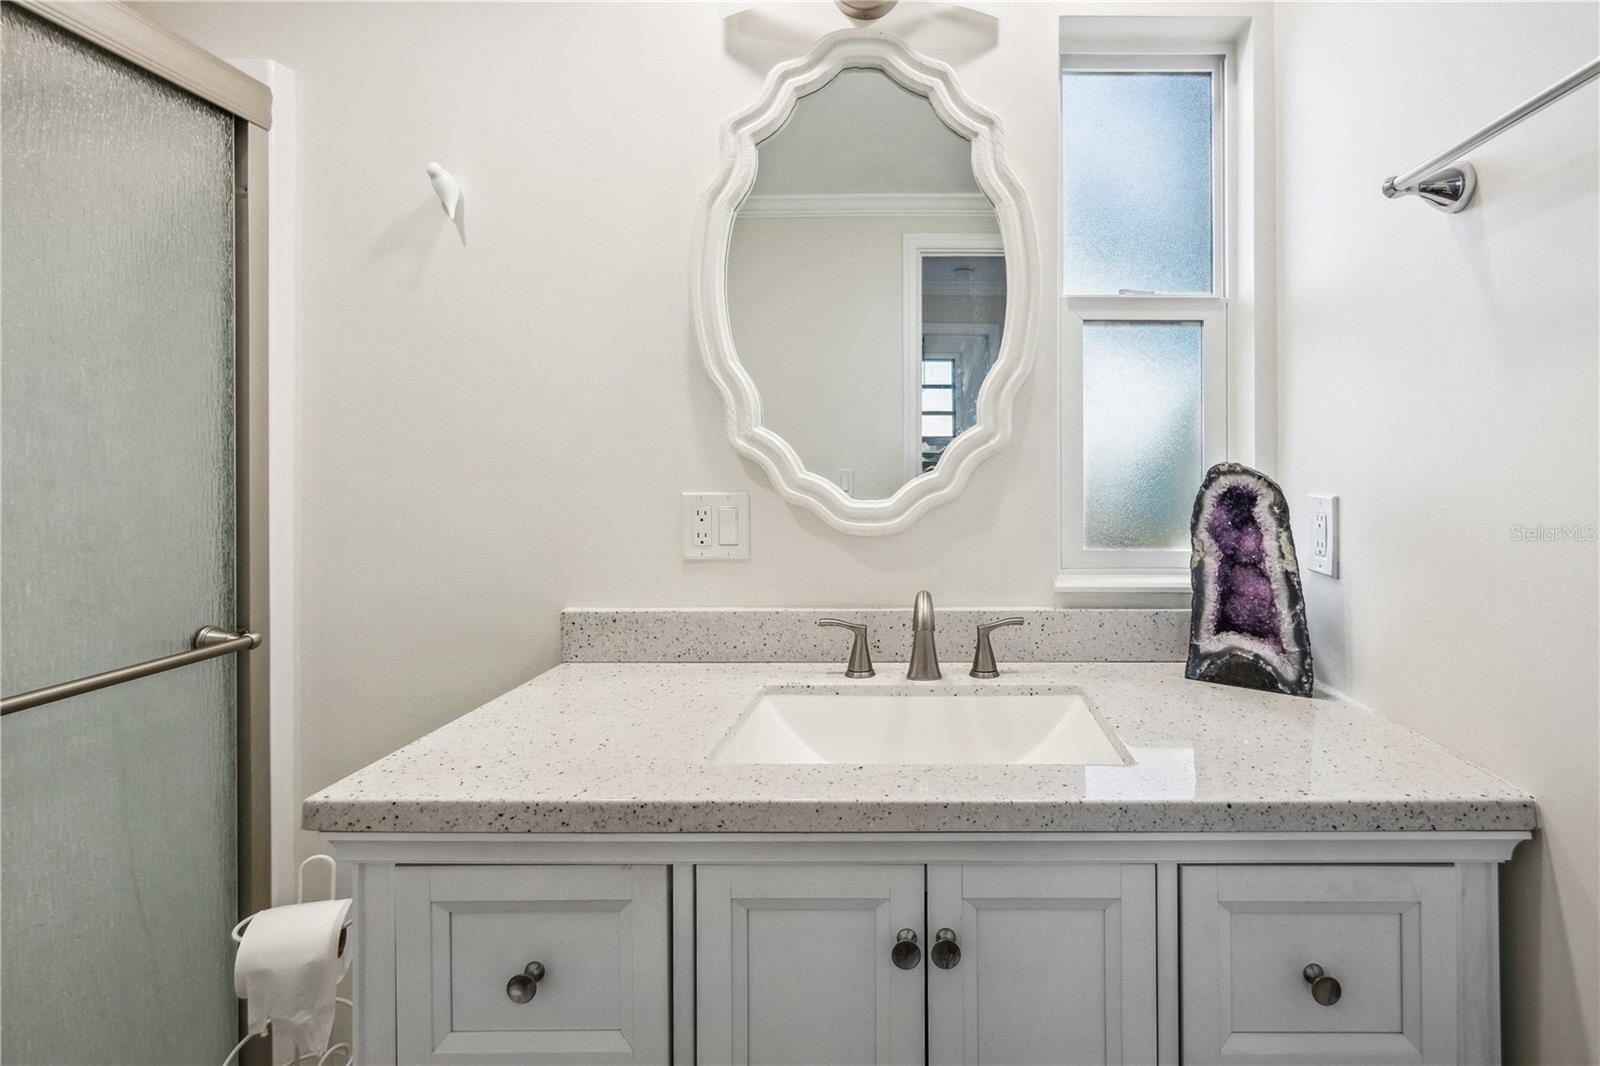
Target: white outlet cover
(1320, 552)
(703, 516)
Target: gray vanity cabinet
(797, 964)
(889, 963)
(530, 964)
(1327, 949)
(1384, 951)
(1054, 963)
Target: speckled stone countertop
(625, 747)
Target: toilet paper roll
(289, 965)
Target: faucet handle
(983, 665)
(860, 657)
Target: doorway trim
(914, 247)
(253, 591)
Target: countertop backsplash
(791, 635)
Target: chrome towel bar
(208, 643)
(1449, 188)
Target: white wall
(495, 429)
(1439, 374)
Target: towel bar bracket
(1450, 187)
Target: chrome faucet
(924, 656)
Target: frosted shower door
(117, 848)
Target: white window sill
(1124, 588)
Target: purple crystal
(1248, 620)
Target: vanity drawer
(600, 933)
(1385, 934)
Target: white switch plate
(1322, 553)
(716, 525)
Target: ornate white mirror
(864, 283)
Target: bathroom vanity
(768, 862)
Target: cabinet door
(794, 965)
(1383, 936)
(463, 932)
(1057, 964)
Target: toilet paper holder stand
(237, 935)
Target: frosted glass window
(1143, 448)
(938, 425)
(937, 372)
(938, 400)
(1137, 181)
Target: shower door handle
(208, 643)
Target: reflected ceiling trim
(785, 85)
(866, 205)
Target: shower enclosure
(132, 515)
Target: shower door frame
(124, 32)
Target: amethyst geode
(1247, 625)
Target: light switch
(716, 526)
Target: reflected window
(938, 407)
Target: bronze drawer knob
(525, 985)
(1324, 989)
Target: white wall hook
(445, 185)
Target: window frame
(1137, 571)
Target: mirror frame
(785, 85)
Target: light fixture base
(864, 12)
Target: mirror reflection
(866, 284)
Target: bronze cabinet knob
(945, 953)
(525, 985)
(1324, 989)
(906, 953)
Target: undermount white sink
(979, 728)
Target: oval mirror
(865, 286)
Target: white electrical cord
(322, 1060)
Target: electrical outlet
(1322, 554)
(716, 525)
